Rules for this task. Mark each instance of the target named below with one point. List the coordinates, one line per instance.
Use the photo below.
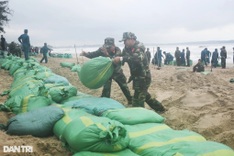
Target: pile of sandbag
(61, 55)
(34, 86)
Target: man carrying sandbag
(110, 50)
(133, 54)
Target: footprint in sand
(199, 98)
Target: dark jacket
(137, 60)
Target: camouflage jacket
(101, 52)
(137, 60)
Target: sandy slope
(195, 101)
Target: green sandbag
(26, 88)
(76, 68)
(18, 64)
(31, 67)
(132, 116)
(206, 148)
(46, 87)
(60, 93)
(33, 102)
(13, 104)
(126, 152)
(38, 122)
(95, 105)
(66, 55)
(95, 72)
(78, 96)
(57, 79)
(67, 64)
(186, 148)
(7, 64)
(41, 75)
(19, 82)
(96, 134)
(69, 115)
(157, 139)
(22, 73)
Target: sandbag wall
(61, 55)
(90, 125)
(33, 82)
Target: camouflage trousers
(121, 80)
(141, 94)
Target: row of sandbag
(113, 134)
(140, 132)
(34, 83)
(98, 124)
(37, 121)
(61, 55)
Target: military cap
(128, 35)
(109, 41)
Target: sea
(195, 49)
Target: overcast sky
(69, 22)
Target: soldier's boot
(156, 105)
(137, 103)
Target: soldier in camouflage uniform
(133, 54)
(110, 50)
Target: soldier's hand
(104, 51)
(116, 60)
(82, 53)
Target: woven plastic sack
(69, 115)
(132, 116)
(95, 105)
(13, 104)
(57, 79)
(18, 64)
(78, 96)
(7, 64)
(159, 139)
(76, 68)
(96, 134)
(33, 102)
(95, 72)
(26, 88)
(61, 93)
(67, 64)
(126, 152)
(38, 122)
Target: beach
(201, 102)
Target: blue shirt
(45, 49)
(24, 40)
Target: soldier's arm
(93, 54)
(19, 39)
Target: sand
(203, 103)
